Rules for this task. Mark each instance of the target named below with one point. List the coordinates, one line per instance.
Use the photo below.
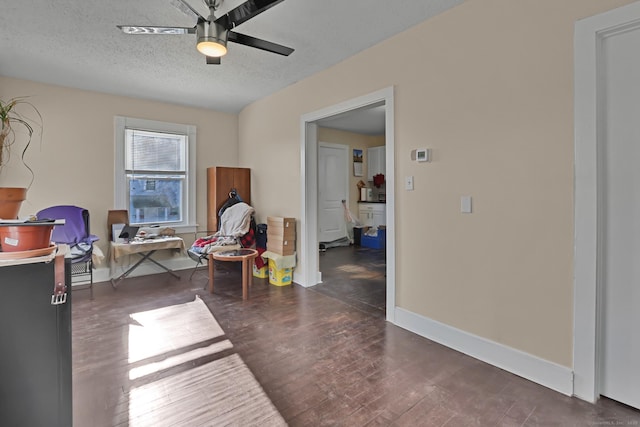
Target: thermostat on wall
(422, 155)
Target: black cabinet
(35, 347)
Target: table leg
(145, 256)
(211, 261)
(244, 278)
(250, 271)
(162, 266)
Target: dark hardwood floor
(324, 355)
(356, 276)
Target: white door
(621, 225)
(333, 187)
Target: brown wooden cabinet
(220, 181)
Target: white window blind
(155, 151)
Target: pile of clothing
(204, 245)
(235, 229)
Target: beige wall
(353, 141)
(488, 87)
(75, 162)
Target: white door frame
(345, 149)
(309, 274)
(589, 34)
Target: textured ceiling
(76, 43)
(368, 121)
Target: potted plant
(10, 121)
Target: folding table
(145, 248)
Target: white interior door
(621, 208)
(333, 187)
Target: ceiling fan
(213, 33)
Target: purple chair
(75, 233)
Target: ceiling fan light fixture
(212, 39)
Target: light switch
(465, 204)
(408, 183)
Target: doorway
(607, 239)
(351, 272)
(308, 273)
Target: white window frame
(188, 224)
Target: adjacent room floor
(323, 357)
(355, 276)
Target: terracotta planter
(16, 238)
(11, 199)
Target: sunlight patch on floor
(221, 392)
(151, 368)
(356, 271)
(155, 332)
(173, 382)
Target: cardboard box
(281, 233)
(281, 246)
(277, 221)
(282, 277)
(280, 226)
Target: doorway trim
(309, 273)
(588, 283)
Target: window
(154, 172)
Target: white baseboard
(525, 365)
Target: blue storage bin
(375, 242)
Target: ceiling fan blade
(245, 11)
(259, 43)
(211, 60)
(140, 29)
(186, 8)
